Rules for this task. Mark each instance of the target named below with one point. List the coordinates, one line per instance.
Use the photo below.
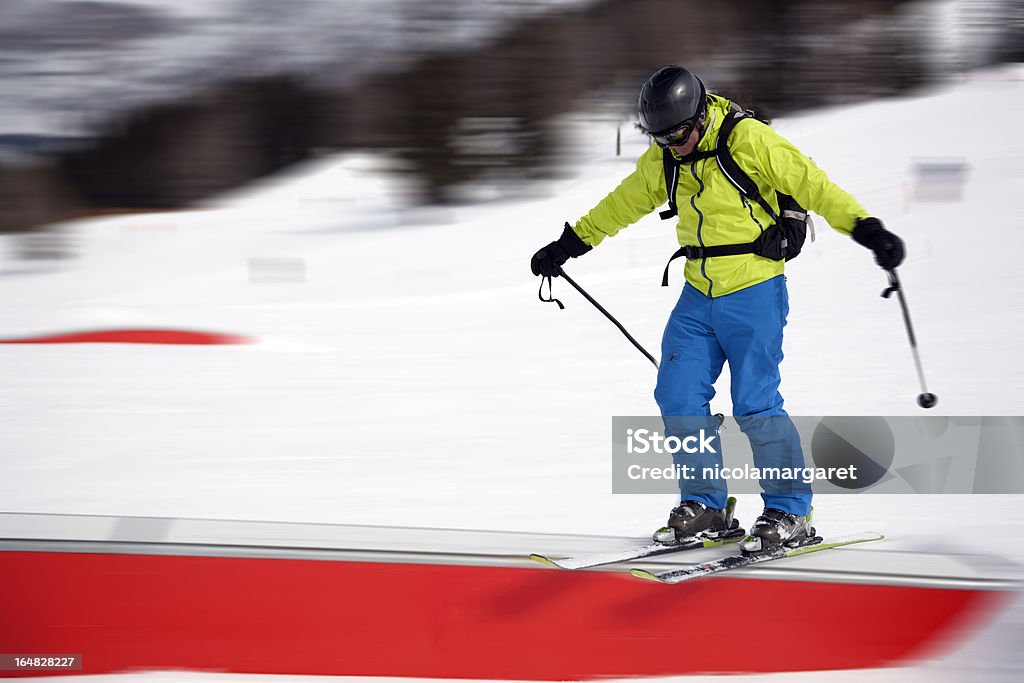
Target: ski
(637, 553)
(739, 561)
(733, 534)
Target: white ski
(739, 561)
(639, 552)
(733, 534)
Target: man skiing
(733, 307)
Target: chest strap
(694, 252)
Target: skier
(732, 307)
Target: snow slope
(406, 374)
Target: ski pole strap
(694, 252)
(894, 284)
(551, 298)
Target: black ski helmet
(671, 96)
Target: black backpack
(782, 240)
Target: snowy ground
(407, 374)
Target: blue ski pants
(745, 329)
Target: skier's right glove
(549, 259)
(888, 248)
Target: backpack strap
(730, 169)
(671, 166)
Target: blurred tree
(485, 111)
(171, 154)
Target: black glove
(548, 260)
(888, 247)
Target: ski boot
(777, 528)
(692, 520)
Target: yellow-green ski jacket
(711, 210)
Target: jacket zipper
(750, 209)
(700, 223)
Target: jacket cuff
(571, 242)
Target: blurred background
(141, 104)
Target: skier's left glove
(549, 259)
(888, 248)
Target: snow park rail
(273, 598)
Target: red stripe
(151, 336)
(319, 617)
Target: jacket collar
(718, 107)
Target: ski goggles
(677, 137)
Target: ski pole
(924, 399)
(719, 417)
(608, 315)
